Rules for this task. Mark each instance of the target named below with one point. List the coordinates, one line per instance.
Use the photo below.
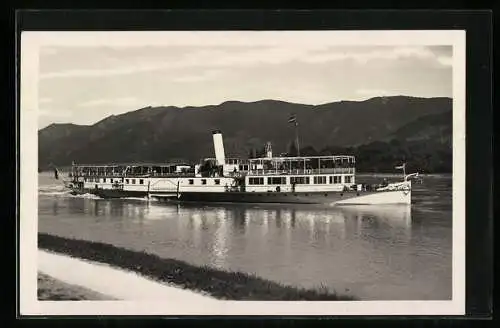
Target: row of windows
(204, 181)
(141, 181)
(111, 180)
(336, 179)
(320, 180)
(300, 180)
(256, 181)
(276, 180)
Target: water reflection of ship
(55, 207)
(117, 209)
(319, 222)
(393, 215)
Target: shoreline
(222, 285)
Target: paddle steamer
(301, 179)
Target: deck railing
(337, 170)
(134, 175)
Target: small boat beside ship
(301, 179)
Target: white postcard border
(31, 42)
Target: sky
(84, 83)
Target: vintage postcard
(242, 173)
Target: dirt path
(106, 280)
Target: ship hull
(338, 198)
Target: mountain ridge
(161, 133)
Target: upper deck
(334, 164)
(133, 169)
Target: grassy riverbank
(50, 289)
(219, 284)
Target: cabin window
(299, 180)
(133, 181)
(276, 180)
(348, 179)
(256, 181)
(104, 180)
(336, 179)
(320, 180)
(217, 181)
(126, 181)
(203, 181)
(191, 181)
(141, 181)
(111, 180)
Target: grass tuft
(217, 283)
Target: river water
(373, 253)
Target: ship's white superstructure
(302, 179)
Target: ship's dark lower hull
(348, 197)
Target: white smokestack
(269, 150)
(219, 147)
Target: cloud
(246, 57)
(445, 60)
(397, 53)
(206, 58)
(54, 113)
(115, 102)
(201, 77)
